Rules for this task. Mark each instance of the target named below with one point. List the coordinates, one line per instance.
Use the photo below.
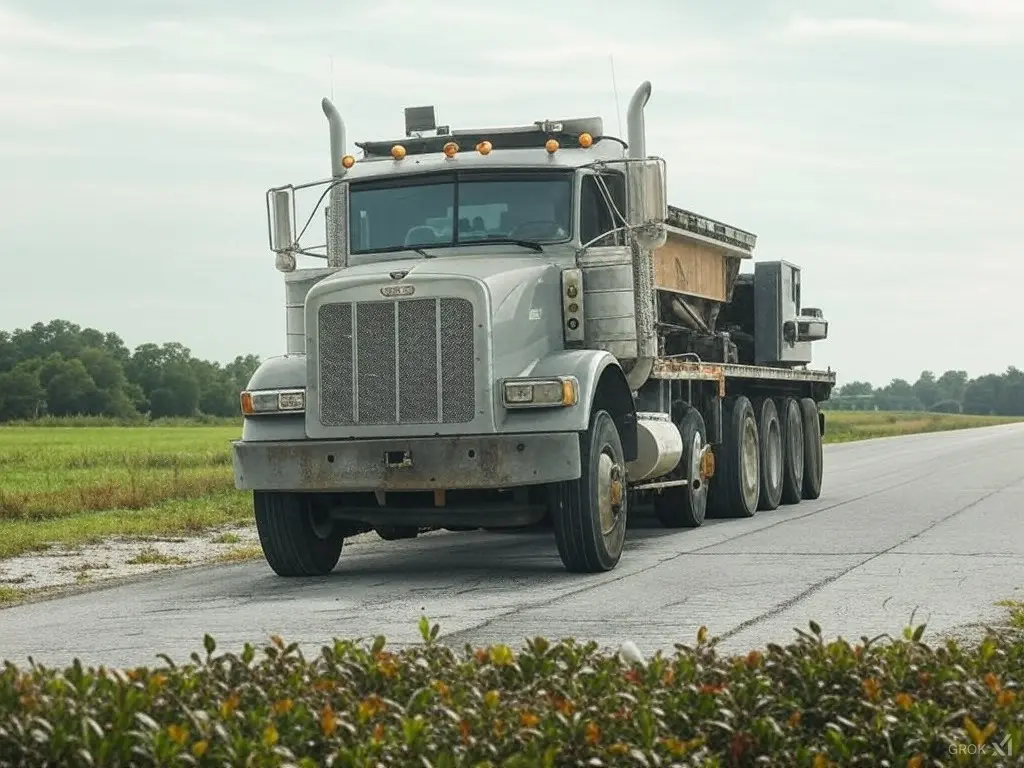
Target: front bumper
(407, 464)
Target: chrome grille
(397, 362)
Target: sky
(877, 145)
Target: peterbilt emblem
(398, 275)
(398, 290)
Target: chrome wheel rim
(749, 461)
(610, 492)
(773, 454)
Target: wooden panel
(694, 268)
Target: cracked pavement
(925, 525)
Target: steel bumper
(407, 464)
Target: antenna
(615, 90)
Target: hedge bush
(879, 702)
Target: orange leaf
(1005, 698)
(917, 761)
(904, 700)
(283, 707)
(228, 706)
(992, 682)
(754, 658)
(328, 720)
(528, 720)
(592, 733)
(177, 733)
(871, 688)
(371, 706)
(562, 704)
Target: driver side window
(596, 217)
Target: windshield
(455, 208)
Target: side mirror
(647, 201)
(281, 219)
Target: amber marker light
(551, 146)
(586, 140)
(450, 149)
(398, 151)
(484, 147)
(348, 161)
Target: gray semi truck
(509, 326)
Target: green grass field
(76, 484)
(79, 484)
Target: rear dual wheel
(685, 506)
(802, 448)
(736, 485)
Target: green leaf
(209, 644)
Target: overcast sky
(877, 145)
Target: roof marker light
(450, 149)
(398, 151)
(586, 140)
(551, 146)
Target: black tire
(736, 485)
(684, 506)
(791, 420)
(813, 453)
(584, 543)
(770, 432)
(397, 532)
(297, 539)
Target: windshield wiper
(524, 243)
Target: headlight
(540, 393)
(269, 401)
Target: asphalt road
(931, 523)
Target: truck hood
(525, 296)
(509, 278)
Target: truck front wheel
(297, 538)
(589, 514)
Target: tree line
(993, 394)
(61, 369)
